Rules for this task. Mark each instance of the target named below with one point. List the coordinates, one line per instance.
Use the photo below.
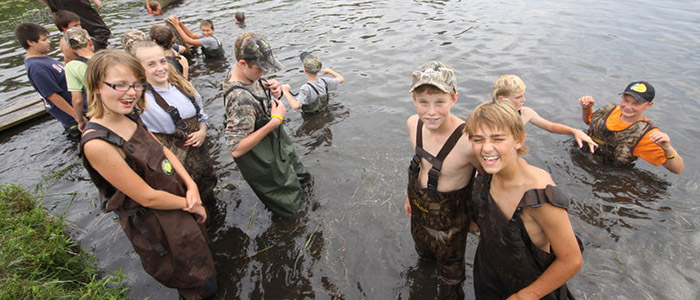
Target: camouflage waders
(272, 168)
(439, 220)
(616, 147)
(171, 244)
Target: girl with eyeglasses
(144, 183)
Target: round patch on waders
(167, 167)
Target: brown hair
(174, 77)
(162, 35)
(29, 32)
(207, 23)
(96, 72)
(497, 115)
(63, 17)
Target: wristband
(672, 155)
(282, 120)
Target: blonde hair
(497, 115)
(507, 85)
(96, 72)
(174, 77)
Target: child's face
(518, 99)
(119, 102)
(42, 45)
(154, 63)
(206, 30)
(631, 108)
(434, 108)
(495, 148)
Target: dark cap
(251, 46)
(642, 91)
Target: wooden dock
(20, 112)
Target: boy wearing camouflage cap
(254, 135)
(313, 95)
(80, 42)
(439, 184)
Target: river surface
(639, 226)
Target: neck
(632, 119)
(513, 173)
(85, 52)
(311, 77)
(32, 53)
(165, 85)
(238, 75)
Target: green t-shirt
(75, 75)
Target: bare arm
(98, 3)
(334, 74)
(249, 142)
(674, 164)
(187, 35)
(554, 221)
(559, 128)
(290, 99)
(77, 100)
(62, 104)
(586, 103)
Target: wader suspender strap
(109, 136)
(172, 111)
(315, 90)
(434, 172)
(82, 59)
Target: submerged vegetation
(39, 260)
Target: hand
(286, 88)
(586, 102)
(278, 109)
(521, 295)
(660, 139)
(274, 86)
(473, 228)
(325, 70)
(98, 3)
(81, 123)
(199, 212)
(407, 207)
(196, 139)
(192, 197)
(173, 19)
(581, 137)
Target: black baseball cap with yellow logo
(642, 91)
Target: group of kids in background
(143, 130)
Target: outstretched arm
(674, 162)
(290, 99)
(552, 127)
(334, 74)
(188, 36)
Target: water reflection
(624, 194)
(315, 130)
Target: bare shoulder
(411, 122)
(540, 177)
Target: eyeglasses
(123, 87)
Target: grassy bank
(38, 260)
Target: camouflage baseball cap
(251, 46)
(436, 74)
(131, 36)
(77, 38)
(312, 64)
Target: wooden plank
(20, 112)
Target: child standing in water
(439, 176)
(313, 95)
(157, 202)
(512, 88)
(527, 248)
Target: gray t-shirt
(307, 94)
(209, 42)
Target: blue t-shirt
(48, 77)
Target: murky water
(639, 226)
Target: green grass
(39, 260)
